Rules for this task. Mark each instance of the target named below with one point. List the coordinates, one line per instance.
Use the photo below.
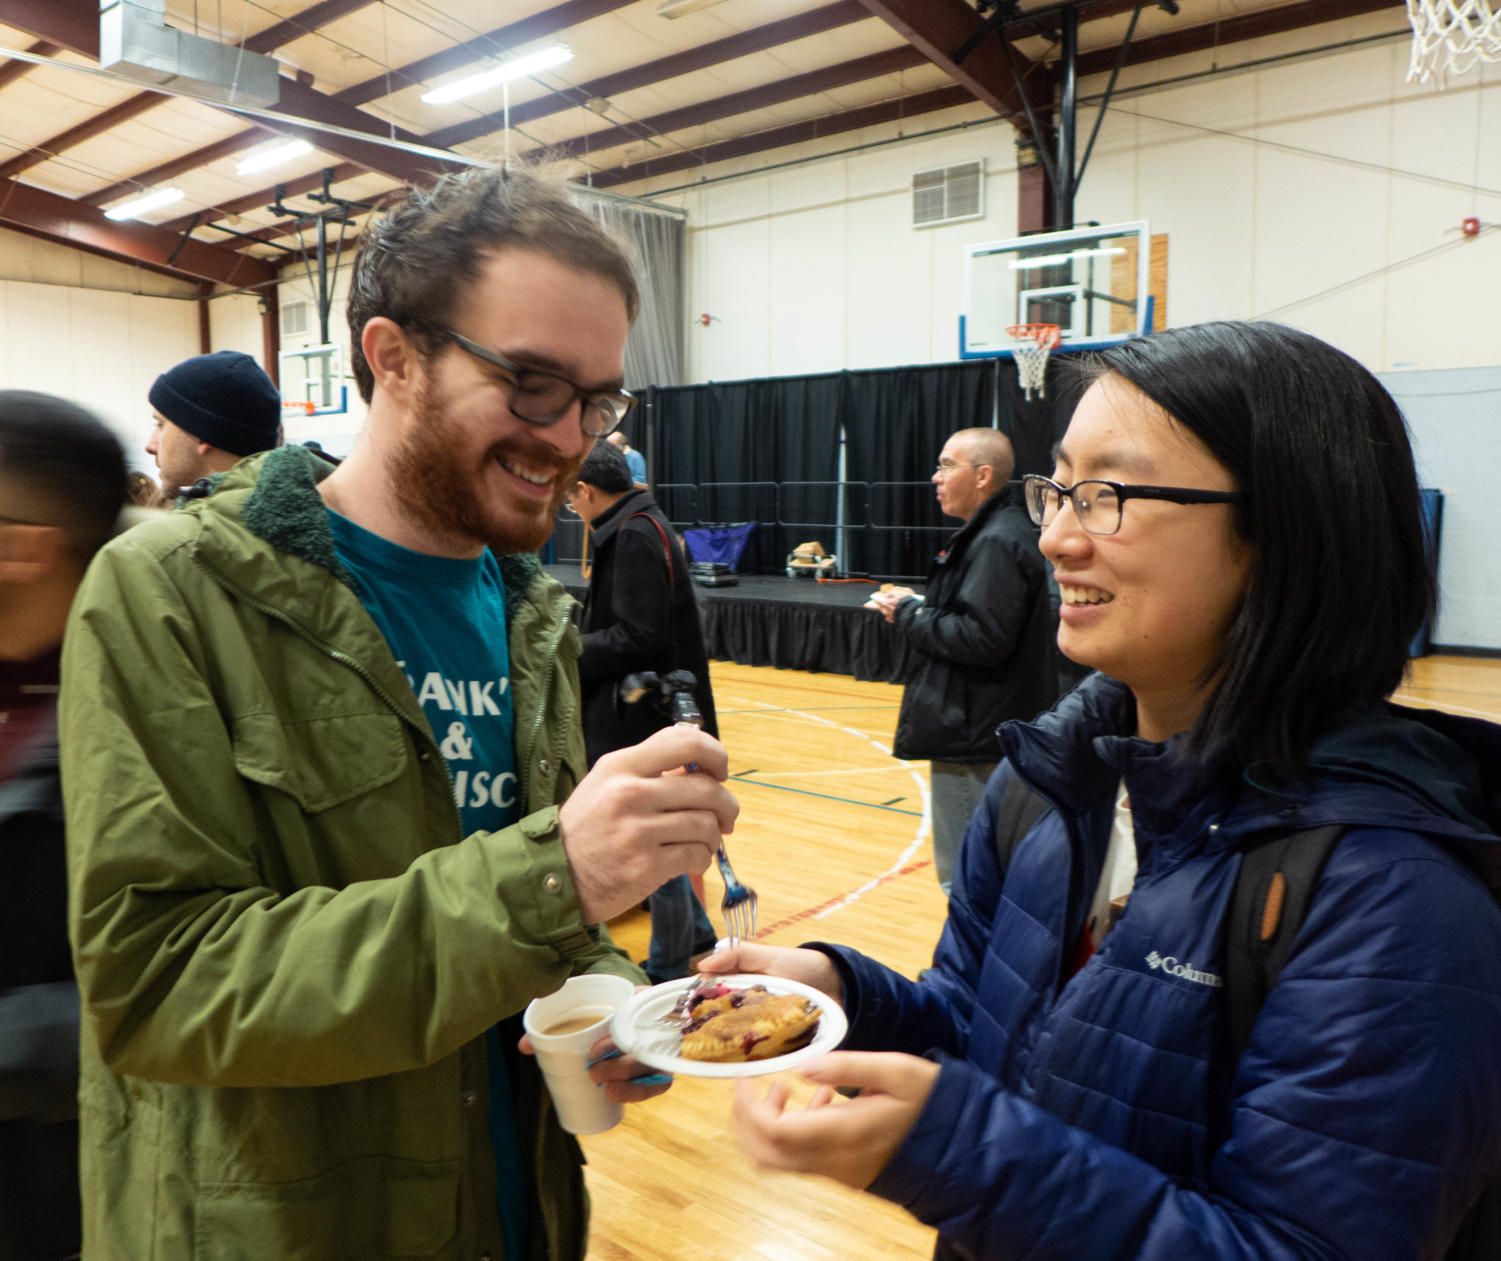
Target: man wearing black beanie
(210, 412)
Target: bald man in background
(982, 631)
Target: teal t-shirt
(445, 622)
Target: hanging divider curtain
(900, 419)
(737, 450)
(725, 448)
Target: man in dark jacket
(983, 631)
(62, 484)
(640, 626)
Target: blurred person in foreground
(208, 413)
(640, 627)
(330, 827)
(1234, 521)
(981, 635)
(62, 485)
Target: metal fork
(739, 903)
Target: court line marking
(906, 860)
(808, 792)
(864, 770)
(825, 909)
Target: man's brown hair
(413, 261)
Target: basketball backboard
(1092, 282)
(312, 381)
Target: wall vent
(294, 318)
(948, 194)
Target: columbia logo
(1186, 971)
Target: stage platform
(793, 623)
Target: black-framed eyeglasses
(543, 398)
(1097, 504)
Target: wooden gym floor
(833, 839)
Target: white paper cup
(563, 1026)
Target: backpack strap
(1272, 892)
(1020, 808)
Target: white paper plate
(638, 1029)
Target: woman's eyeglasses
(1097, 504)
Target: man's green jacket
(287, 952)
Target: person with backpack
(642, 658)
(1140, 1038)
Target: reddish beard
(450, 502)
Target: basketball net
(1452, 36)
(1031, 344)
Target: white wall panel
(808, 261)
(889, 296)
(100, 348)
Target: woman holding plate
(1234, 523)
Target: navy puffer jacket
(1102, 1117)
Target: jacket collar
(609, 521)
(275, 497)
(1418, 770)
(987, 509)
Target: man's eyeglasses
(945, 467)
(1097, 504)
(541, 398)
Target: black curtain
(722, 449)
(899, 420)
(734, 451)
(1035, 425)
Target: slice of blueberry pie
(731, 1025)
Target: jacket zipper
(542, 699)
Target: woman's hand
(849, 1140)
(811, 967)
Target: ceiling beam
(804, 25)
(795, 133)
(360, 93)
(1288, 17)
(63, 220)
(500, 40)
(172, 169)
(940, 28)
(70, 24)
(15, 68)
(307, 102)
(86, 130)
(304, 23)
(262, 42)
(892, 61)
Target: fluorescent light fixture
(137, 206)
(1054, 260)
(515, 68)
(273, 156)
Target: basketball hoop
(1032, 344)
(291, 407)
(1452, 36)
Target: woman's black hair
(1342, 579)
